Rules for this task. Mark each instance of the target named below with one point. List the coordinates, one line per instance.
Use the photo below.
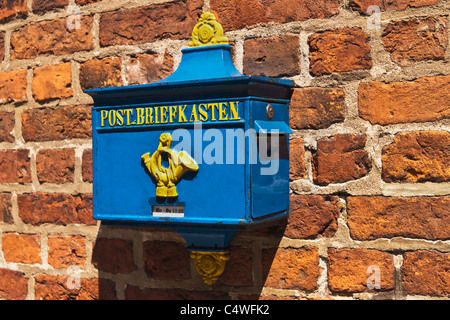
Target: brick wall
(370, 157)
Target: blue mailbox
(204, 152)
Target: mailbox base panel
(203, 237)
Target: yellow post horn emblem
(179, 164)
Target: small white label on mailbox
(168, 211)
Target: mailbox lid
(215, 88)
(267, 127)
(207, 72)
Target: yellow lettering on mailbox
(148, 115)
(112, 119)
(164, 115)
(194, 114)
(103, 117)
(120, 117)
(213, 106)
(223, 111)
(140, 116)
(234, 111)
(172, 113)
(181, 116)
(156, 115)
(128, 112)
(204, 112)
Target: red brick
(10, 9)
(349, 272)
(42, 6)
(21, 248)
(387, 217)
(166, 260)
(406, 4)
(238, 269)
(390, 5)
(55, 166)
(316, 108)
(277, 56)
(106, 289)
(297, 168)
(86, 166)
(15, 166)
(264, 297)
(83, 2)
(418, 156)
(2, 46)
(113, 255)
(7, 122)
(413, 40)
(51, 38)
(312, 216)
(5, 208)
(235, 14)
(13, 86)
(55, 208)
(101, 73)
(339, 50)
(421, 100)
(340, 158)
(291, 268)
(66, 251)
(136, 293)
(49, 287)
(426, 273)
(269, 232)
(13, 285)
(71, 122)
(363, 5)
(174, 20)
(52, 82)
(149, 67)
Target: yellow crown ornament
(207, 32)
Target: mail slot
(204, 152)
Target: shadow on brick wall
(154, 264)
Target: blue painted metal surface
(204, 101)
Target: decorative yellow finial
(207, 32)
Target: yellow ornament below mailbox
(179, 164)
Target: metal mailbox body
(219, 117)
